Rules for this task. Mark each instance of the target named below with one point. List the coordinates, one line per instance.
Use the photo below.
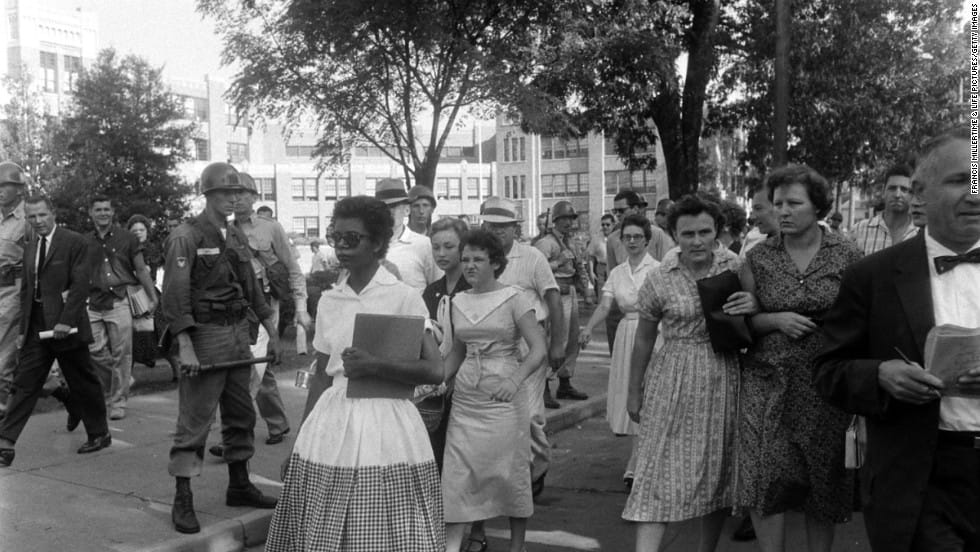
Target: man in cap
(572, 276)
(280, 279)
(423, 203)
(209, 294)
(409, 251)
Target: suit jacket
(885, 302)
(67, 267)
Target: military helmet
(248, 182)
(11, 173)
(563, 209)
(220, 176)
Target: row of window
(562, 185)
(557, 148)
(237, 152)
(514, 149)
(452, 187)
(515, 187)
(311, 188)
(641, 181)
(49, 72)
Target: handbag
(139, 301)
(726, 332)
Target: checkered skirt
(361, 478)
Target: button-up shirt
(13, 236)
(528, 270)
(114, 258)
(872, 235)
(269, 243)
(955, 300)
(411, 253)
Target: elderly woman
(487, 466)
(791, 444)
(362, 476)
(685, 398)
(623, 287)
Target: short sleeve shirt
(412, 254)
(527, 269)
(624, 283)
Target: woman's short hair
(693, 205)
(138, 218)
(817, 187)
(373, 213)
(456, 225)
(481, 239)
(735, 217)
(637, 220)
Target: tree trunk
(425, 173)
(667, 116)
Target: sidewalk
(119, 499)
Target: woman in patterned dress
(487, 466)
(623, 286)
(790, 442)
(361, 477)
(684, 399)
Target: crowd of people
(836, 324)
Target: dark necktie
(946, 263)
(42, 252)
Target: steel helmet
(11, 173)
(247, 182)
(220, 176)
(418, 192)
(563, 209)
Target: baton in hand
(238, 363)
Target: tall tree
(395, 74)
(613, 67)
(26, 131)
(869, 81)
(123, 137)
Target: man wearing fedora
(409, 251)
(573, 279)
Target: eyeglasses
(633, 237)
(345, 240)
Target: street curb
(231, 535)
(569, 415)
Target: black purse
(727, 333)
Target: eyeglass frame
(334, 239)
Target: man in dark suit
(922, 490)
(57, 270)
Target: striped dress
(685, 442)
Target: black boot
(63, 396)
(241, 491)
(182, 514)
(566, 391)
(549, 401)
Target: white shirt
(384, 294)
(47, 249)
(527, 269)
(625, 281)
(955, 300)
(411, 253)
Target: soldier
(572, 276)
(209, 294)
(12, 237)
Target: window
(237, 152)
(231, 118)
(334, 188)
(506, 150)
(523, 187)
(49, 71)
(304, 189)
(521, 148)
(202, 151)
(195, 109)
(442, 187)
(369, 151)
(546, 148)
(487, 187)
(454, 185)
(547, 185)
(556, 148)
(299, 151)
(620, 180)
(370, 184)
(452, 151)
(306, 226)
(266, 188)
(73, 68)
(516, 146)
(507, 186)
(472, 187)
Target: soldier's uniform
(14, 232)
(210, 290)
(571, 273)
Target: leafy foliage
(123, 138)
(395, 74)
(26, 131)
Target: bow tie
(946, 263)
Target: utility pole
(781, 115)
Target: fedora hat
(499, 210)
(391, 191)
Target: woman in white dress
(361, 476)
(487, 465)
(623, 286)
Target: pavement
(119, 499)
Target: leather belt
(961, 439)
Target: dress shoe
(73, 421)
(566, 391)
(217, 450)
(182, 514)
(96, 443)
(549, 401)
(6, 457)
(249, 495)
(117, 413)
(277, 438)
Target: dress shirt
(411, 252)
(527, 269)
(955, 300)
